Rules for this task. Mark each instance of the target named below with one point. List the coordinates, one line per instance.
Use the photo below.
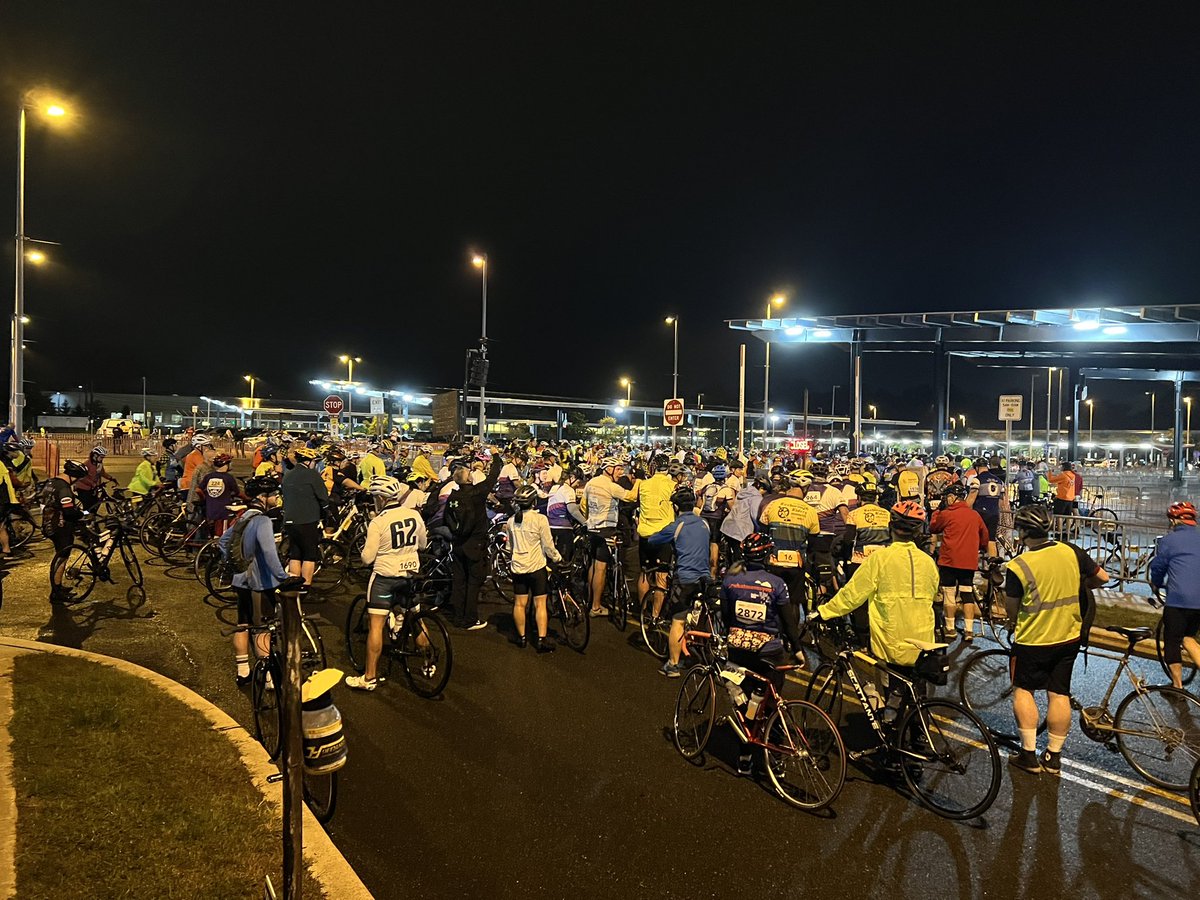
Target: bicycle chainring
(1096, 723)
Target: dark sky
(260, 189)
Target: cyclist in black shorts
(304, 501)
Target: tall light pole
(480, 261)
(251, 379)
(777, 300)
(16, 400)
(832, 411)
(874, 418)
(674, 322)
(1091, 417)
(1049, 387)
(350, 361)
(1187, 432)
(628, 385)
(1152, 397)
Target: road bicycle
(990, 601)
(77, 568)
(499, 555)
(562, 604)
(656, 626)
(1194, 791)
(802, 749)
(945, 753)
(414, 637)
(1127, 562)
(1155, 727)
(616, 589)
(433, 582)
(20, 524)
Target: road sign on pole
(334, 405)
(1010, 407)
(672, 411)
(377, 406)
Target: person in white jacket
(531, 545)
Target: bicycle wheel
(577, 626)
(357, 626)
(153, 529)
(331, 568)
(312, 649)
(825, 691)
(985, 688)
(320, 794)
(1158, 733)
(1104, 521)
(174, 543)
(1187, 671)
(620, 598)
(426, 653)
(204, 556)
(804, 755)
(132, 566)
(949, 759)
(218, 579)
(21, 527)
(695, 712)
(654, 627)
(78, 568)
(1194, 792)
(268, 711)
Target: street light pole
(250, 378)
(777, 300)
(1049, 387)
(1091, 417)
(350, 361)
(874, 418)
(17, 393)
(480, 261)
(628, 385)
(1188, 429)
(674, 321)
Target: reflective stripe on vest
(1049, 612)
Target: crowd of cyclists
(776, 542)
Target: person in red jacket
(964, 534)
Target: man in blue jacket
(690, 535)
(1177, 564)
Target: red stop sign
(673, 411)
(334, 405)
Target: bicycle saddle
(926, 645)
(1134, 634)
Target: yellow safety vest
(1049, 612)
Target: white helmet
(942, 461)
(841, 469)
(384, 486)
(99, 451)
(201, 440)
(149, 452)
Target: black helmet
(867, 490)
(818, 468)
(762, 482)
(676, 469)
(1034, 521)
(258, 485)
(957, 489)
(684, 498)
(662, 462)
(74, 469)
(757, 547)
(526, 496)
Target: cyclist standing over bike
(789, 521)
(713, 505)
(1045, 589)
(532, 546)
(304, 500)
(372, 464)
(144, 479)
(654, 513)
(219, 489)
(689, 535)
(394, 538)
(466, 517)
(1176, 564)
(964, 535)
(602, 497)
(87, 486)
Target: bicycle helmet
(1183, 512)
(857, 464)
(662, 462)
(73, 469)
(683, 498)
(258, 485)
(818, 469)
(676, 469)
(720, 472)
(762, 482)
(611, 462)
(526, 496)
(955, 490)
(841, 469)
(908, 516)
(414, 476)
(757, 547)
(800, 478)
(99, 451)
(148, 452)
(306, 453)
(942, 462)
(384, 486)
(201, 440)
(387, 446)
(269, 450)
(221, 459)
(867, 491)
(1034, 520)
(335, 455)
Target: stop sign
(673, 411)
(333, 405)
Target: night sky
(260, 189)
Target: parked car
(109, 426)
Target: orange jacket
(1064, 484)
(190, 462)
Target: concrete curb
(337, 879)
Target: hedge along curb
(337, 879)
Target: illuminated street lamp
(674, 322)
(874, 417)
(628, 385)
(16, 401)
(776, 300)
(480, 261)
(1091, 416)
(350, 361)
(250, 378)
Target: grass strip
(123, 791)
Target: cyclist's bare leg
(660, 580)
(949, 607)
(520, 603)
(306, 568)
(375, 623)
(675, 641)
(540, 616)
(713, 552)
(599, 571)
(4, 545)
(970, 610)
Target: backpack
(459, 517)
(238, 561)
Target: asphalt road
(554, 776)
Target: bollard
(292, 754)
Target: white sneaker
(598, 613)
(359, 683)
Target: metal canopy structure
(1159, 342)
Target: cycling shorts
(305, 541)
(1048, 667)
(991, 521)
(598, 540)
(529, 583)
(384, 593)
(1178, 622)
(948, 576)
(245, 606)
(681, 599)
(654, 555)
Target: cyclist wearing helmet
(219, 489)
(61, 509)
(1176, 564)
(304, 501)
(416, 491)
(601, 504)
(937, 481)
(1046, 588)
(909, 479)
(531, 545)
(373, 463)
(964, 535)
(510, 477)
(145, 479)
(86, 486)
(688, 534)
(394, 538)
(985, 491)
(869, 527)
(740, 523)
(899, 583)
(788, 520)
(1064, 489)
(655, 512)
(255, 586)
(562, 508)
(202, 451)
(713, 505)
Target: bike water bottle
(395, 623)
(752, 707)
(105, 541)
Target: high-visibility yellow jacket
(900, 582)
(1049, 611)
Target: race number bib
(411, 564)
(750, 611)
(790, 558)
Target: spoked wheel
(320, 793)
(332, 567)
(825, 691)
(268, 711)
(695, 712)
(154, 529)
(1104, 521)
(804, 755)
(132, 566)
(426, 653)
(174, 543)
(577, 627)
(357, 626)
(204, 557)
(78, 570)
(1194, 791)
(620, 602)
(312, 649)
(654, 627)
(218, 579)
(985, 687)
(949, 759)
(1187, 672)
(21, 527)
(1158, 733)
